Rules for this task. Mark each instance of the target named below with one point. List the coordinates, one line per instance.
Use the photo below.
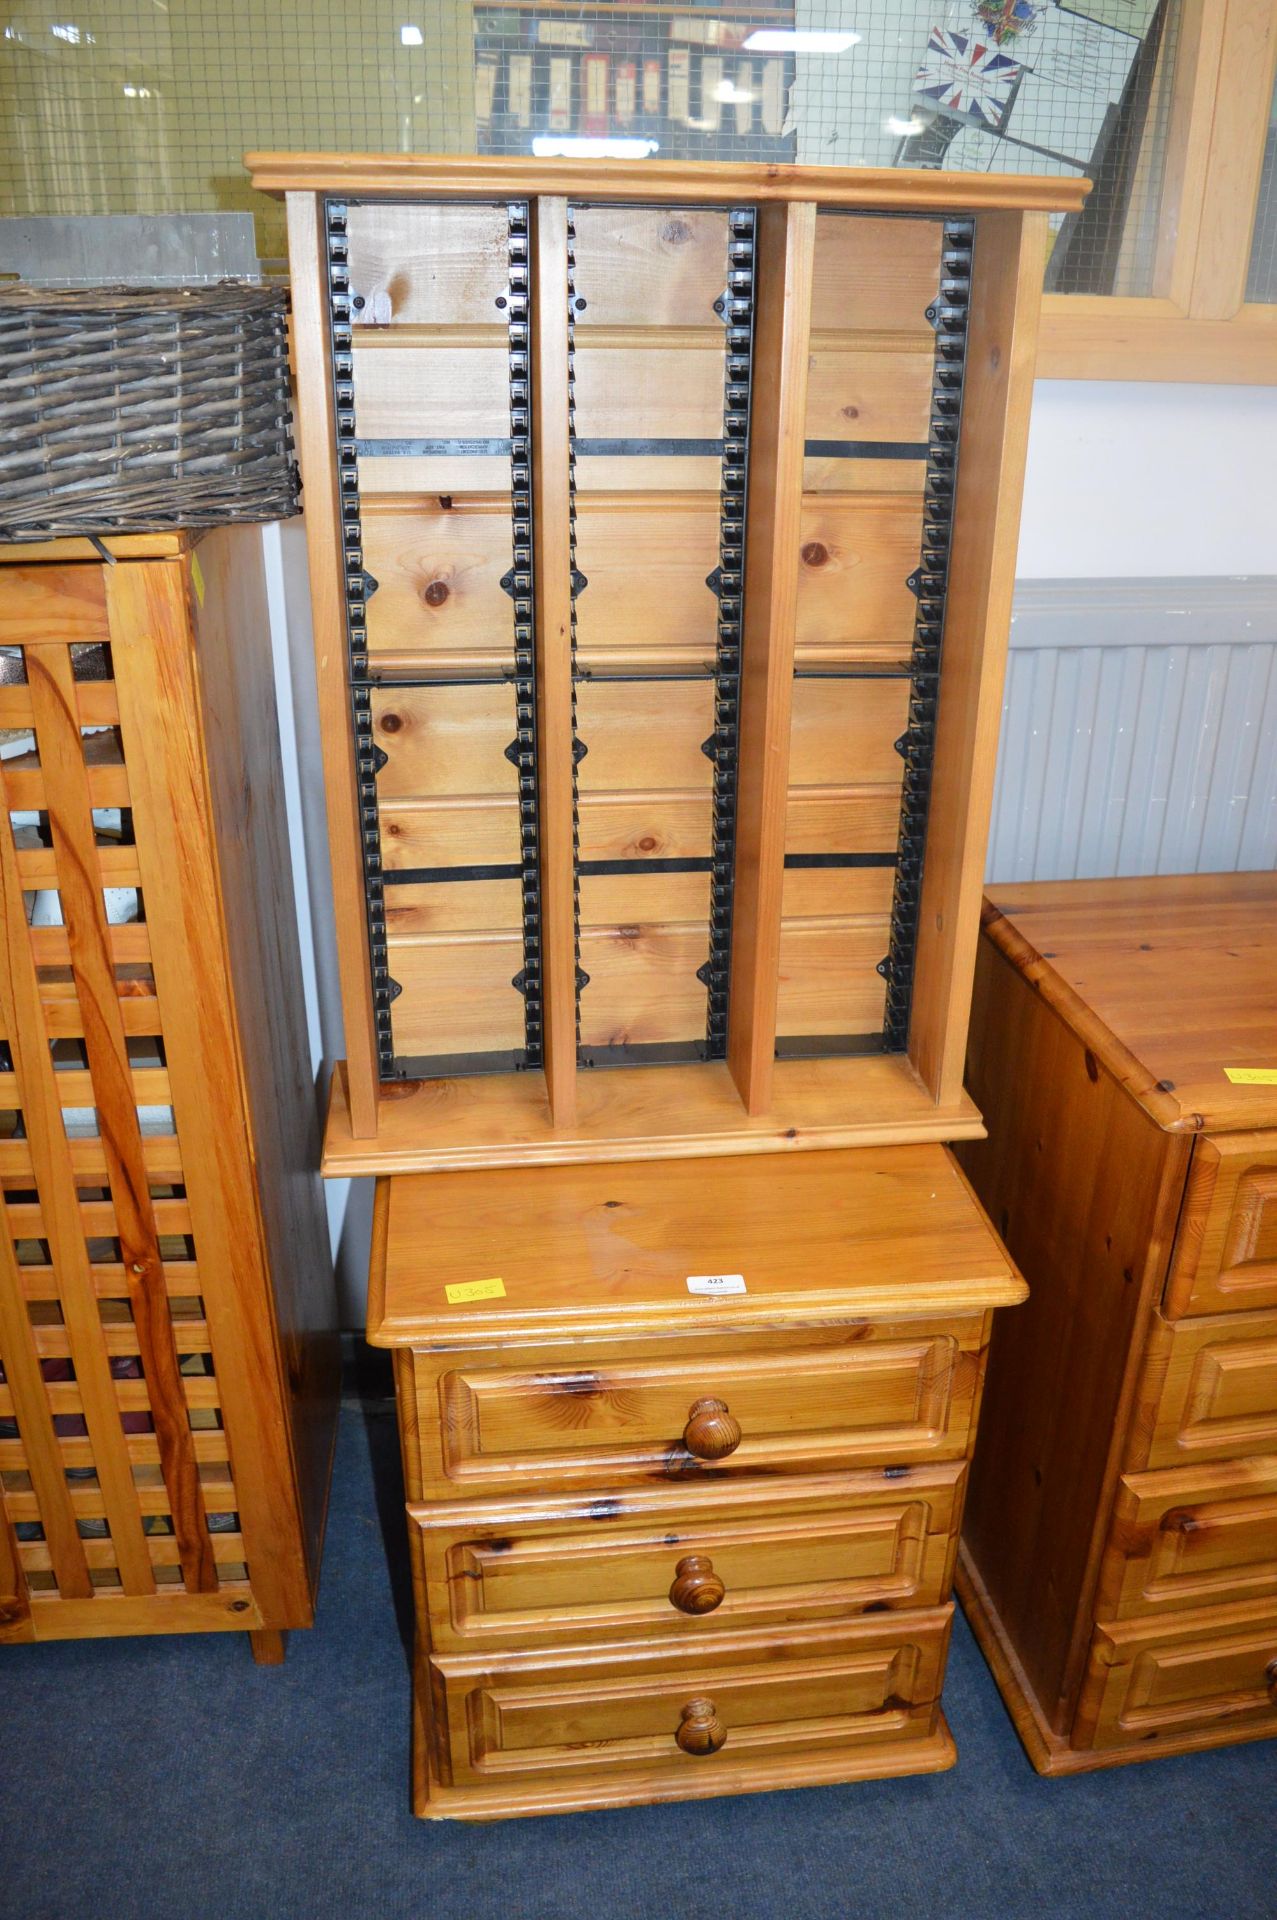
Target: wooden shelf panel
(671, 182)
(638, 1113)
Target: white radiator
(1139, 729)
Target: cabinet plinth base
(652, 1787)
(1049, 1752)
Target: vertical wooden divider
(69, 803)
(316, 441)
(998, 392)
(552, 575)
(164, 730)
(15, 1606)
(784, 257)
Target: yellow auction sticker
(1252, 1076)
(475, 1290)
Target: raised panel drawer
(737, 1556)
(1225, 1254)
(1214, 1670)
(1191, 1537)
(1208, 1391)
(570, 1713)
(872, 1393)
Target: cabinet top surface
(610, 1249)
(449, 176)
(119, 546)
(1169, 980)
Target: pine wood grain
(254, 870)
(997, 394)
(83, 908)
(156, 673)
(551, 511)
(500, 1119)
(1191, 1537)
(1150, 1680)
(887, 1231)
(437, 265)
(1152, 1613)
(785, 247)
(540, 1719)
(608, 1414)
(1168, 980)
(24, 1020)
(1208, 1391)
(1049, 1752)
(537, 1571)
(1225, 1253)
(65, 605)
(15, 1606)
(447, 177)
(315, 440)
(1088, 1215)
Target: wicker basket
(127, 410)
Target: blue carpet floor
(149, 1778)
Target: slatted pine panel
(114, 1467)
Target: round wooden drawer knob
(711, 1433)
(697, 1588)
(699, 1729)
(1270, 1675)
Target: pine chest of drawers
(684, 1468)
(1120, 1557)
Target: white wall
(1144, 478)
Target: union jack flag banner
(1006, 19)
(968, 77)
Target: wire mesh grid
(1261, 282)
(126, 106)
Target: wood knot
(436, 593)
(675, 233)
(1092, 1066)
(814, 554)
(851, 413)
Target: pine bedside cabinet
(1120, 1553)
(662, 524)
(168, 1354)
(685, 1448)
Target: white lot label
(716, 1283)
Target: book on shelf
(594, 81)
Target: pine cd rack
(662, 524)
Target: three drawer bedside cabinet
(662, 523)
(168, 1345)
(677, 1528)
(1119, 1562)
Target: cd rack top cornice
(662, 524)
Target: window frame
(1197, 324)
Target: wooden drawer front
(565, 1712)
(878, 1394)
(522, 1573)
(1191, 1537)
(1225, 1255)
(1209, 1391)
(1213, 1669)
